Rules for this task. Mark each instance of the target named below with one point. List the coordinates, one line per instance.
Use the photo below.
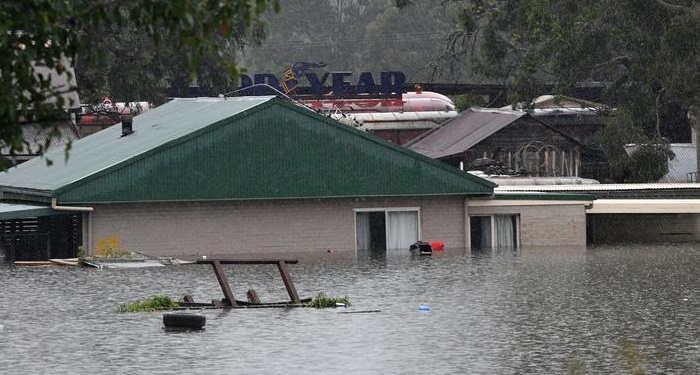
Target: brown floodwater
(607, 310)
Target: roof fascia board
(468, 195)
(644, 206)
(25, 194)
(27, 212)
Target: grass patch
(323, 301)
(155, 303)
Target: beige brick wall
(545, 226)
(444, 220)
(252, 227)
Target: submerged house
(256, 175)
(511, 138)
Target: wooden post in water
(223, 281)
(226, 288)
(291, 290)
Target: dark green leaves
(40, 38)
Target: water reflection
(604, 310)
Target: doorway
(386, 229)
(494, 232)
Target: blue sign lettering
(316, 84)
(366, 84)
(391, 82)
(340, 85)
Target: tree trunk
(694, 117)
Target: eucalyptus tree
(644, 52)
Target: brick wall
(255, 227)
(545, 226)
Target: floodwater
(607, 310)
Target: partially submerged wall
(542, 223)
(606, 229)
(261, 227)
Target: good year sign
(391, 82)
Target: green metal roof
(536, 195)
(10, 211)
(235, 148)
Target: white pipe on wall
(55, 206)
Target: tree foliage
(648, 160)
(644, 52)
(53, 34)
(355, 36)
(639, 48)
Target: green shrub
(154, 303)
(322, 301)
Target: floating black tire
(182, 320)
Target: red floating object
(437, 245)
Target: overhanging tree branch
(674, 7)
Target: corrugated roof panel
(272, 153)
(465, 131)
(599, 187)
(107, 148)
(685, 162)
(35, 135)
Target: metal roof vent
(127, 124)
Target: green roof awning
(9, 211)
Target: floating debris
(155, 303)
(323, 301)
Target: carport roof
(20, 211)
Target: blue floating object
(424, 308)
